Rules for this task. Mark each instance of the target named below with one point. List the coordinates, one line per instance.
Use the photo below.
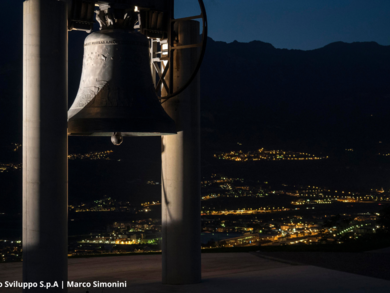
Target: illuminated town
(110, 205)
(104, 155)
(236, 212)
(9, 167)
(91, 156)
(16, 146)
(231, 218)
(264, 155)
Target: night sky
(291, 24)
(295, 24)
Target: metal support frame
(167, 55)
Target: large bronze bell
(116, 93)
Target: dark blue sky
(295, 24)
(292, 24)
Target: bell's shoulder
(98, 36)
(115, 34)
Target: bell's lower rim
(128, 127)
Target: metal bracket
(161, 51)
(81, 15)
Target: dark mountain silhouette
(332, 96)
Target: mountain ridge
(332, 82)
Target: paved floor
(383, 250)
(367, 264)
(222, 272)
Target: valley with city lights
(241, 208)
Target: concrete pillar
(45, 143)
(181, 251)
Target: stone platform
(222, 273)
